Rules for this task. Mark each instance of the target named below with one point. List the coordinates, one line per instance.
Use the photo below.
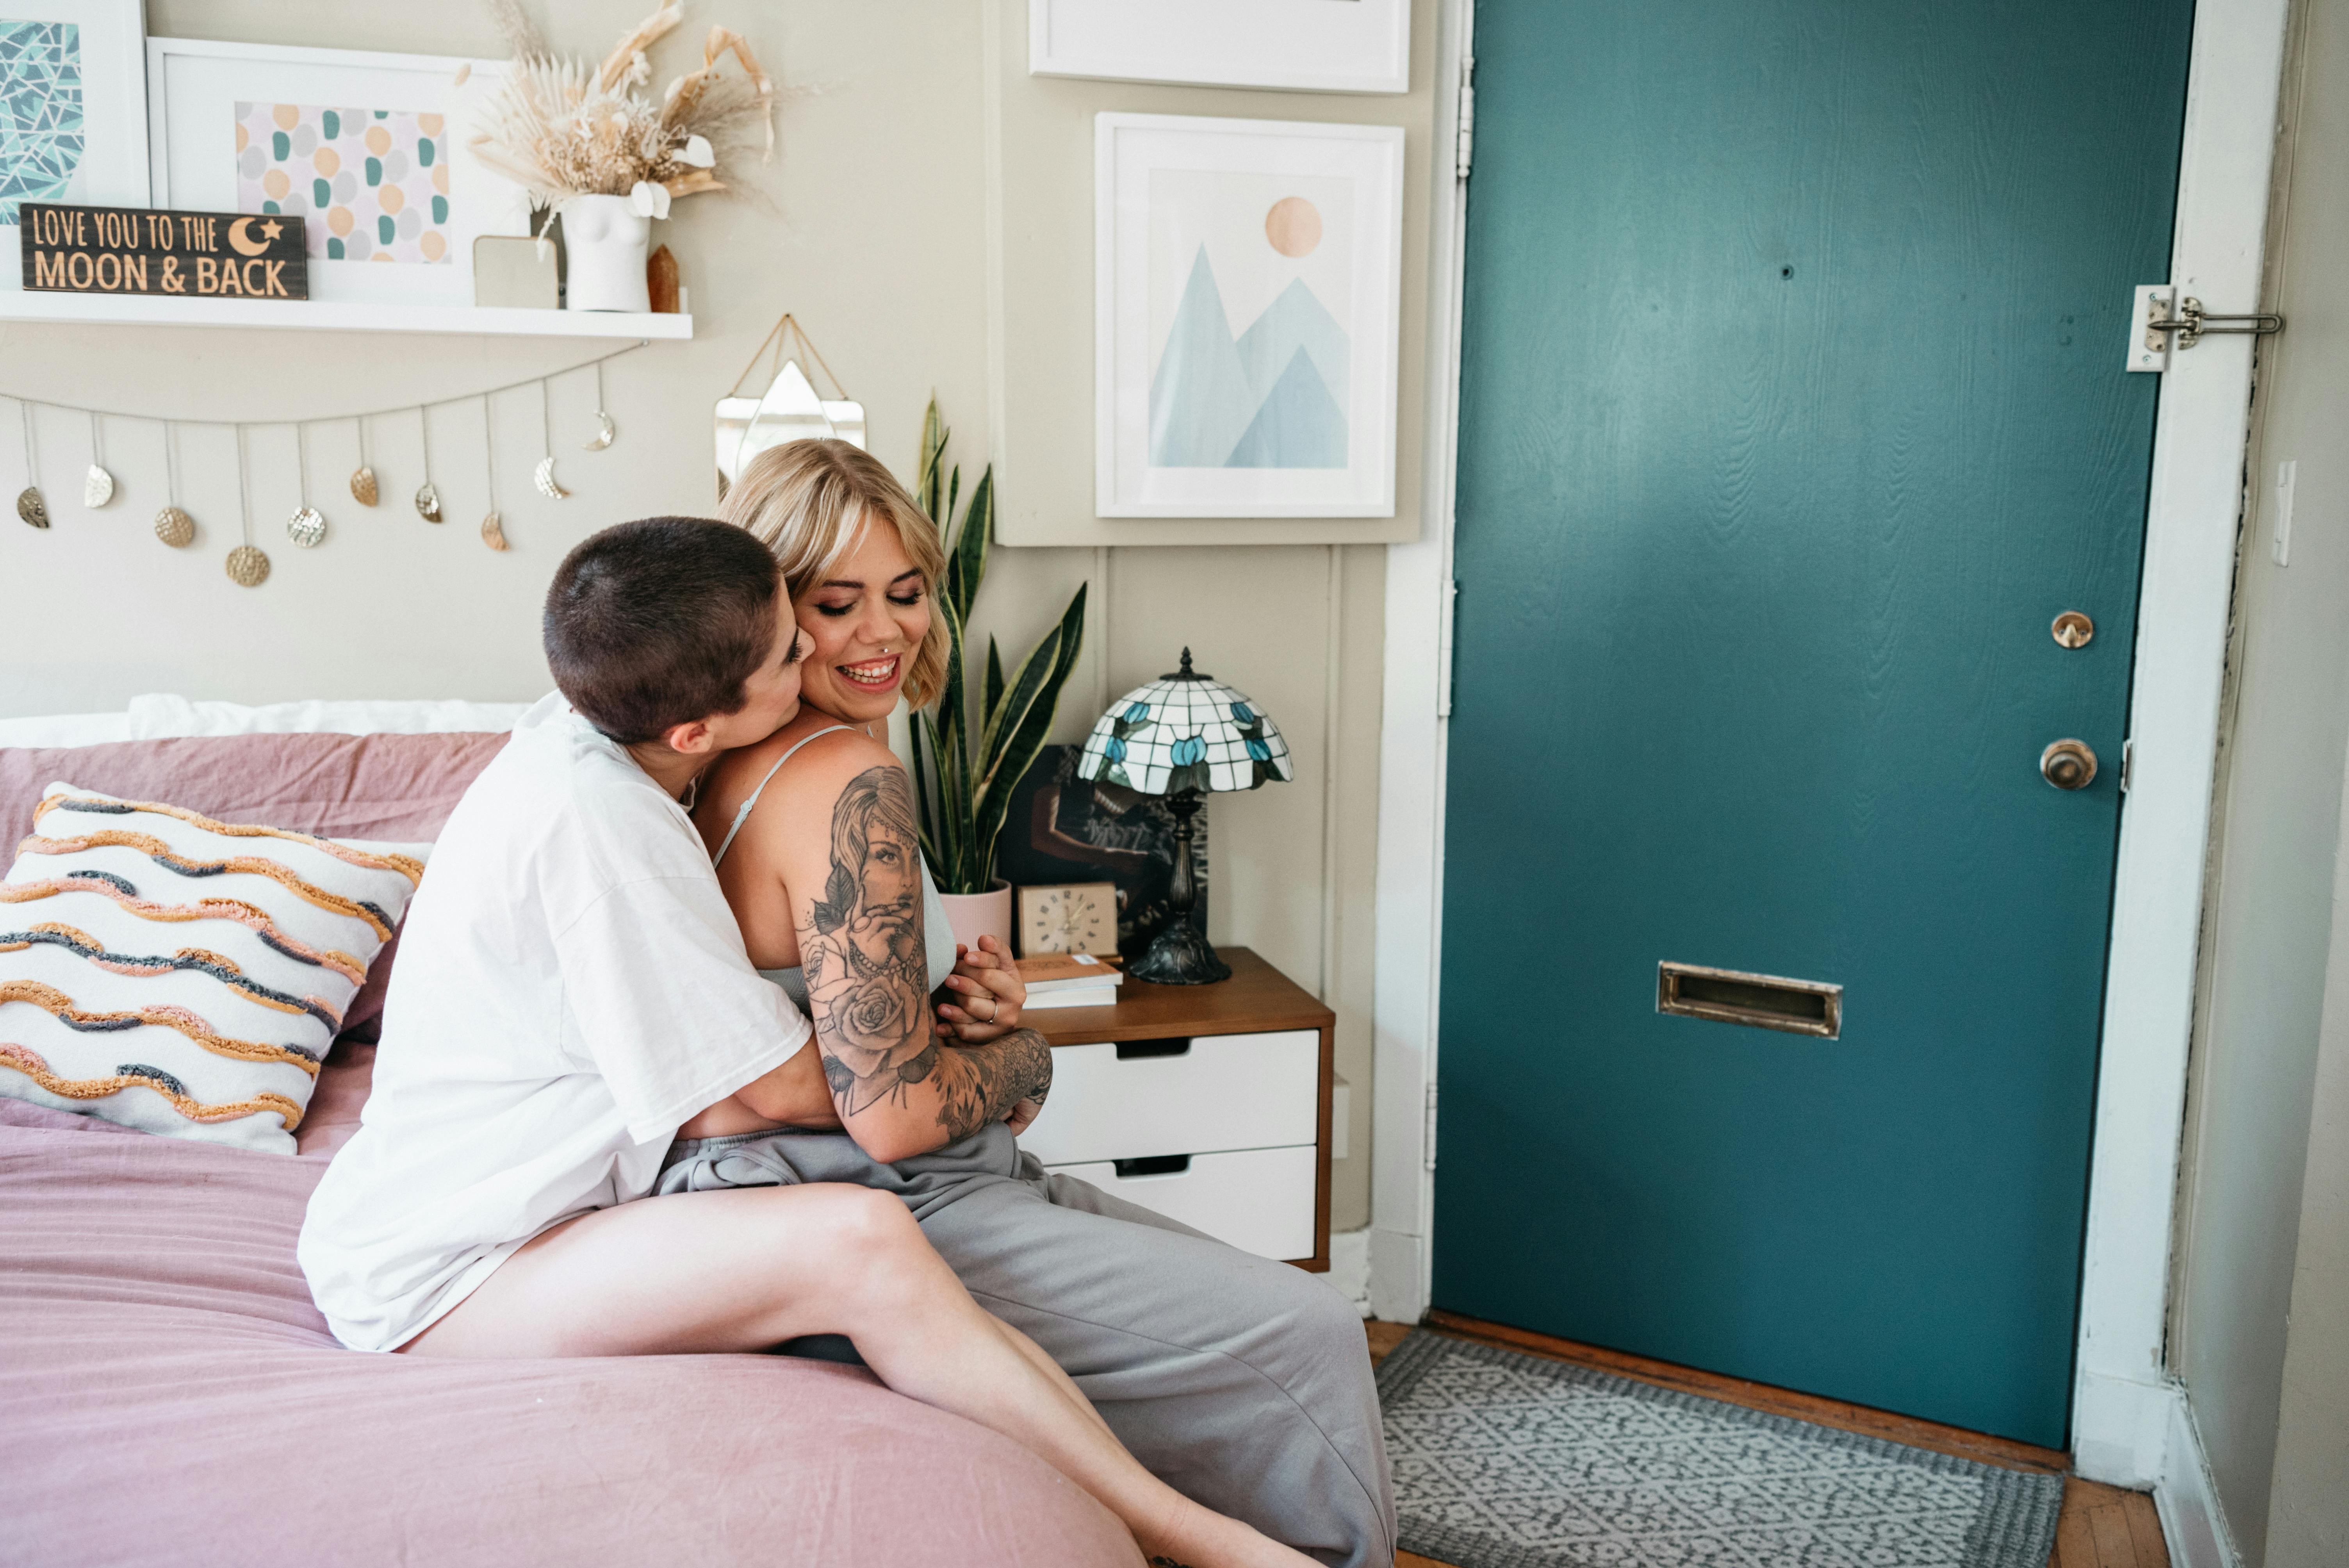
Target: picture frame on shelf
(73, 106)
(367, 148)
(1076, 917)
(1247, 307)
(1301, 46)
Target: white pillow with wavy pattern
(181, 975)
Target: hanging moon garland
(427, 502)
(31, 508)
(543, 476)
(97, 488)
(307, 526)
(247, 566)
(603, 436)
(493, 532)
(363, 486)
(174, 527)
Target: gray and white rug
(1505, 1460)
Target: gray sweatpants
(1242, 1382)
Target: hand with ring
(981, 1000)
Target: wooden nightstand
(1207, 1103)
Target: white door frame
(2124, 1408)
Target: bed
(168, 1392)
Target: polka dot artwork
(371, 185)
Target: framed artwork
(1081, 918)
(368, 149)
(73, 104)
(1063, 830)
(1305, 46)
(1247, 302)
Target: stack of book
(1070, 980)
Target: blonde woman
(1243, 1384)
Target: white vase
(977, 914)
(604, 239)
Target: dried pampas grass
(562, 128)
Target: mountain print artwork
(1271, 396)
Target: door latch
(2163, 321)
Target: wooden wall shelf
(322, 316)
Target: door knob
(2068, 764)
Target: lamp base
(1179, 956)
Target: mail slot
(1757, 1001)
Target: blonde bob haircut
(810, 501)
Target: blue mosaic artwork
(41, 135)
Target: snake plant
(963, 778)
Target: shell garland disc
(174, 527)
(31, 508)
(603, 436)
(363, 486)
(247, 566)
(493, 532)
(97, 488)
(543, 476)
(307, 526)
(427, 502)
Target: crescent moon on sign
(244, 244)
(602, 437)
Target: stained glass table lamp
(1181, 735)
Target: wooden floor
(2100, 1527)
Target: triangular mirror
(789, 409)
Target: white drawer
(1259, 1200)
(1226, 1091)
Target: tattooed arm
(853, 867)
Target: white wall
(2269, 931)
(872, 226)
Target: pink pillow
(397, 787)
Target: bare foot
(1201, 1538)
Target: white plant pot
(977, 914)
(605, 240)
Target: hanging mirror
(789, 410)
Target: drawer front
(1227, 1091)
(1259, 1200)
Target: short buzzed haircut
(658, 623)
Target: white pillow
(181, 975)
(65, 729)
(162, 716)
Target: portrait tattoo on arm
(867, 973)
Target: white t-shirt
(570, 987)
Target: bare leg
(748, 1268)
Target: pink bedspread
(168, 1393)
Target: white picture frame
(1248, 303)
(193, 85)
(1301, 46)
(109, 40)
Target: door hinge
(1444, 650)
(1427, 1138)
(1467, 115)
(2161, 321)
(2128, 756)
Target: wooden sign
(142, 251)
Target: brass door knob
(2068, 764)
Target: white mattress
(162, 716)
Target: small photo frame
(1079, 917)
(368, 149)
(1247, 305)
(1303, 45)
(73, 105)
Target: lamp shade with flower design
(1182, 736)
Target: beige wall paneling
(2264, 1000)
(869, 225)
(1040, 142)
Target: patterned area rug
(1505, 1460)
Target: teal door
(1792, 414)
